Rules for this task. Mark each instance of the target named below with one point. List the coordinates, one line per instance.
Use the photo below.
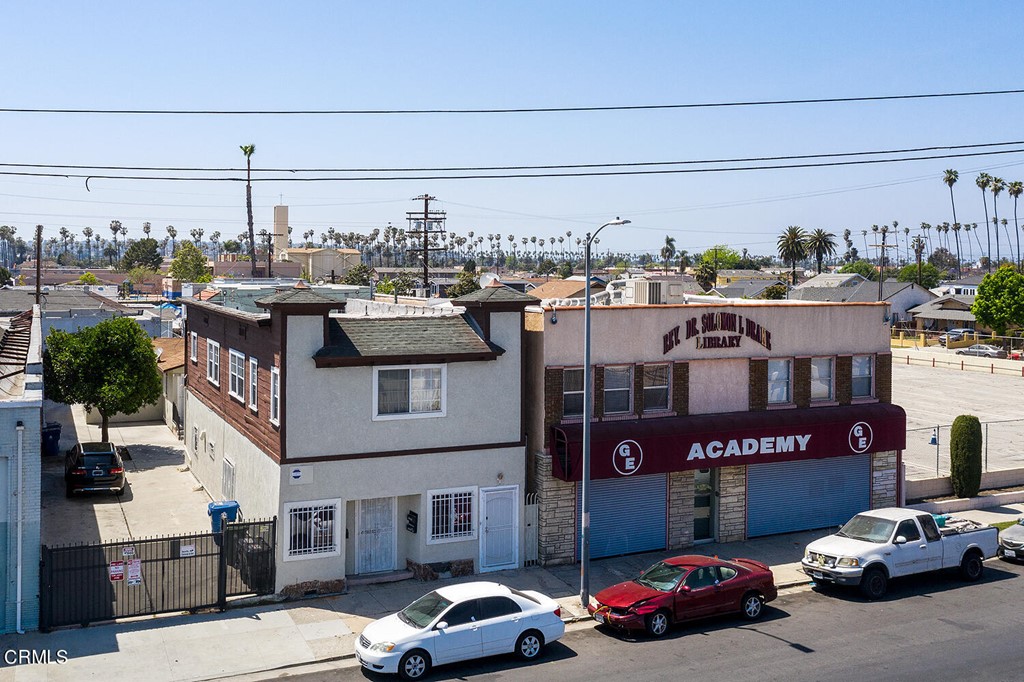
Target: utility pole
(39, 263)
(424, 225)
(269, 238)
(881, 260)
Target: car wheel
(752, 606)
(656, 623)
(529, 644)
(874, 583)
(971, 568)
(414, 665)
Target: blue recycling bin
(51, 439)
(227, 507)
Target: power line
(507, 176)
(517, 110)
(463, 169)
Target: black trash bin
(255, 563)
(51, 438)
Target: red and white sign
(116, 571)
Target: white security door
(499, 537)
(375, 535)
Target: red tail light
(78, 472)
(558, 612)
(117, 470)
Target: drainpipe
(21, 435)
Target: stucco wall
(330, 410)
(719, 386)
(29, 414)
(637, 333)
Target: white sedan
(458, 623)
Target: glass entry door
(704, 505)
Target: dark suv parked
(93, 467)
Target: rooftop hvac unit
(646, 292)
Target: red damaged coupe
(685, 588)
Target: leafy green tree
(231, 246)
(142, 253)
(721, 257)
(929, 276)
(705, 275)
(402, 284)
(110, 367)
(943, 259)
(358, 275)
(189, 264)
(565, 270)
(775, 292)
(88, 278)
(860, 267)
(999, 304)
(546, 267)
(5, 277)
(466, 283)
(965, 455)
(138, 276)
(469, 265)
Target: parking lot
(935, 396)
(162, 497)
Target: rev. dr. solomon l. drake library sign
(718, 330)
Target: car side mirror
(443, 625)
(684, 588)
(900, 540)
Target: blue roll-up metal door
(815, 493)
(627, 515)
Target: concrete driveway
(162, 498)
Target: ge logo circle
(861, 437)
(627, 457)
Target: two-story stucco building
(713, 420)
(383, 437)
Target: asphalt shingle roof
(298, 295)
(365, 340)
(502, 294)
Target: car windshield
(868, 529)
(661, 576)
(424, 610)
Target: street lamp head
(618, 221)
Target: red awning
(661, 445)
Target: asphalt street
(931, 627)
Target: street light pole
(587, 414)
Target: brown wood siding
(252, 340)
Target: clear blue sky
(383, 55)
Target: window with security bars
(572, 392)
(451, 515)
(618, 389)
(312, 529)
(410, 391)
(655, 388)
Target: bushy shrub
(965, 455)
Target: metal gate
(816, 493)
(82, 584)
(627, 515)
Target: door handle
(923, 547)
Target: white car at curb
(458, 623)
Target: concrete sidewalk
(266, 640)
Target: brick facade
(844, 379)
(758, 384)
(680, 388)
(802, 382)
(883, 377)
(598, 375)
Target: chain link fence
(927, 451)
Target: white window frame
(628, 389)
(336, 524)
(789, 381)
(275, 395)
(831, 380)
(443, 407)
(667, 386)
(870, 376)
(254, 379)
(581, 393)
(193, 347)
(227, 479)
(236, 375)
(213, 362)
(469, 535)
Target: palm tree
(1015, 189)
(918, 252)
(949, 178)
(146, 229)
(249, 150)
(821, 245)
(997, 185)
(983, 181)
(115, 229)
(172, 233)
(793, 246)
(668, 251)
(87, 233)
(197, 237)
(214, 239)
(865, 235)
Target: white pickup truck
(880, 544)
